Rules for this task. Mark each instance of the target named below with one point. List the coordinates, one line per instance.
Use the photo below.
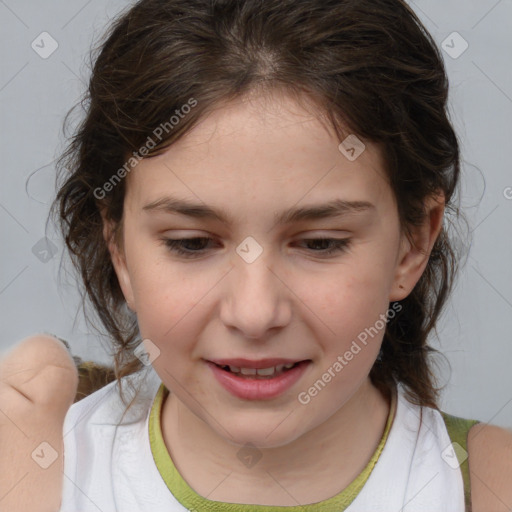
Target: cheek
(154, 287)
(170, 304)
(165, 307)
(350, 298)
(349, 306)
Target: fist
(38, 384)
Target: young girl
(255, 202)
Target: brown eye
(187, 247)
(334, 245)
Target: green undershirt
(193, 501)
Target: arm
(490, 467)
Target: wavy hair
(368, 65)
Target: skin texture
(38, 379)
(490, 466)
(38, 382)
(256, 157)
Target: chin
(261, 434)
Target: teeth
(248, 371)
(264, 372)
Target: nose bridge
(255, 298)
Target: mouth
(269, 372)
(258, 380)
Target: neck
(327, 458)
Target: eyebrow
(331, 209)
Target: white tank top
(109, 465)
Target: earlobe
(415, 249)
(118, 259)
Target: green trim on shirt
(458, 429)
(191, 500)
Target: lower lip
(248, 388)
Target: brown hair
(369, 65)
(91, 376)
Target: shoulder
(96, 406)
(108, 405)
(490, 466)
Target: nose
(256, 299)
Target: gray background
(36, 93)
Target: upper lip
(260, 363)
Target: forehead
(259, 148)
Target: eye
(197, 246)
(182, 246)
(337, 245)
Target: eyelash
(340, 245)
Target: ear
(413, 256)
(118, 259)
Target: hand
(38, 383)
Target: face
(269, 275)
